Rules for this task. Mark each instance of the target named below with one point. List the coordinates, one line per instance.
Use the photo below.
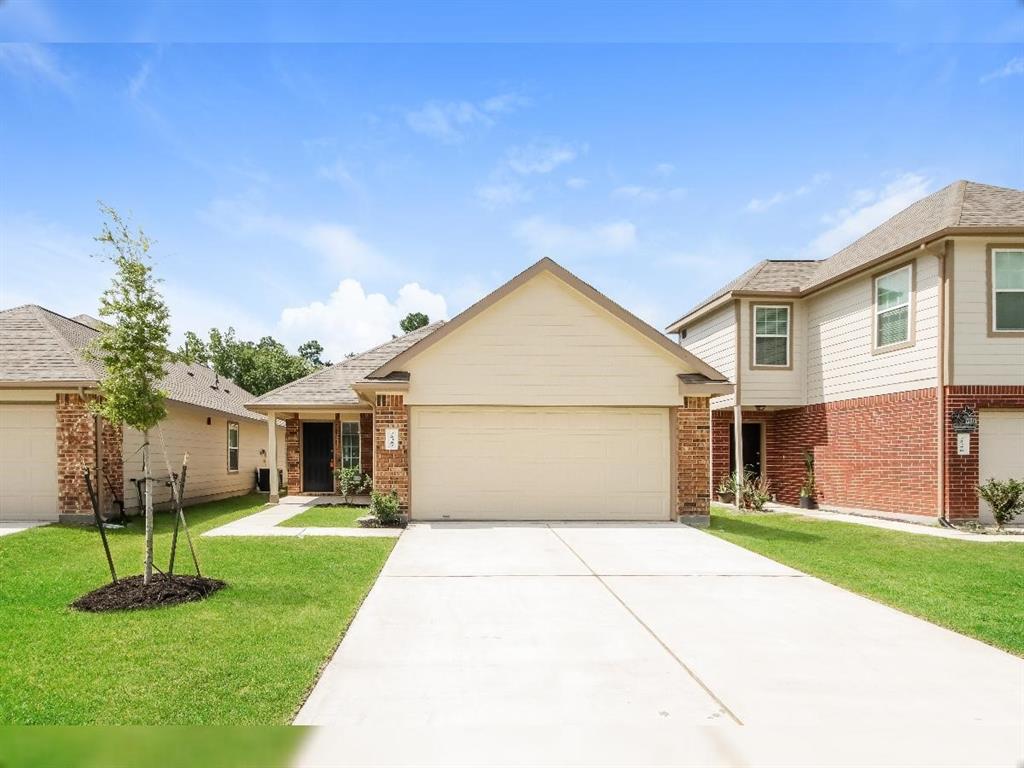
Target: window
(771, 336)
(892, 307)
(350, 444)
(1008, 289)
(232, 446)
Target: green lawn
(247, 655)
(327, 517)
(971, 587)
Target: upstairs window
(892, 307)
(1007, 289)
(350, 444)
(771, 336)
(232, 446)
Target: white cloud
(501, 194)
(449, 121)
(664, 169)
(761, 204)
(553, 239)
(352, 320)
(539, 157)
(868, 209)
(35, 62)
(1013, 67)
(139, 79)
(576, 182)
(647, 194)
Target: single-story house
(544, 400)
(48, 434)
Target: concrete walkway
(921, 528)
(267, 522)
(645, 644)
(10, 527)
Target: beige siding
(185, 430)
(977, 357)
(840, 363)
(545, 344)
(779, 387)
(713, 340)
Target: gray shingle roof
(963, 205)
(38, 346)
(333, 385)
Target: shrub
(1005, 497)
(808, 486)
(757, 491)
(351, 481)
(385, 507)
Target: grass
(327, 517)
(167, 747)
(970, 587)
(246, 656)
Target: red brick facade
(877, 453)
(77, 449)
(293, 453)
(366, 443)
(391, 468)
(691, 424)
(962, 478)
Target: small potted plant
(807, 499)
(727, 490)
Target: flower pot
(808, 502)
(726, 498)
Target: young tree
(133, 346)
(414, 320)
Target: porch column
(737, 427)
(275, 492)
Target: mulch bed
(131, 594)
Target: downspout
(940, 386)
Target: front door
(317, 456)
(751, 448)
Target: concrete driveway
(645, 644)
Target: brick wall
(692, 451)
(76, 450)
(391, 470)
(293, 453)
(366, 443)
(962, 478)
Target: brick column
(293, 453)
(691, 427)
(76, 450)
(336, 462)
(391, 468)
(366, 443)
(111, 447)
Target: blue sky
(305, 180)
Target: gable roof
(548, 265)
(40, 347)
(333, 385)
(963, 207)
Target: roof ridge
(41, 314)
(961, 195)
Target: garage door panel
(540, 463)
(1000, 449)
(28, 462)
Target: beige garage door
(494, 463)
(28, 462)
(1001, 449)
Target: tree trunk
(148, 474)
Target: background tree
(312, 352)
(414, 320)
(133, 346)
(193, 350)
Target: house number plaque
(964, 420)
(391, 439)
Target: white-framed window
(350, 444)
(232, 446)
(892, 307)
(1007, 289)
(771, 335)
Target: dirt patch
(131, 594)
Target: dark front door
(751, 447)
(317, 456)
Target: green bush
(1005, 497)
(385, 507)
(352, 481)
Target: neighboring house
(865, 357)
(544, 400)
(48, 436)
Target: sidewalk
(267, 522)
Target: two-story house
(868, 357)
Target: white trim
(786, 335)
(908, 268)
(996, 291)
(359, 444)
(237, 447)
